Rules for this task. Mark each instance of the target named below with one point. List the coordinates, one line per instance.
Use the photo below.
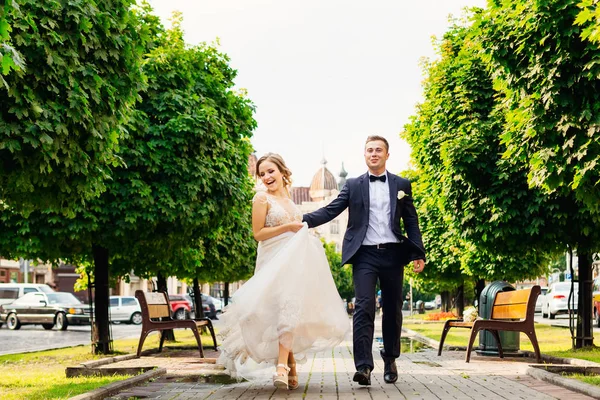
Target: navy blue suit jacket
(355, 196)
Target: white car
(125, 309)
(430, 305)
(555, 301)
(218, 304)
(540, 300)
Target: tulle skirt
(291, 299)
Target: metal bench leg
(195, 330)
(533, 338)
(141, 344)
(497, 337)
(444, 333)
(214, 337)
(474, 331)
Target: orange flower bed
(440, 316)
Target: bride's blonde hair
(278, 161)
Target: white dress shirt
(380, 229)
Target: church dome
(323, 182)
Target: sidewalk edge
(115, 387)
(572, 384)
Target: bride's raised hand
(294, 226)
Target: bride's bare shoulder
(260, 197)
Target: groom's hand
(419, 265)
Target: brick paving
(328, 375)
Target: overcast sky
(323, 74)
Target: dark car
(209, 307)
(47, 309)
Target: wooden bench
(156, 316)
(512, 311)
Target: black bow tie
(373, 178)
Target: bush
(440, 316)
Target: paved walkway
(422, 375)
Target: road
(34, 337)
(560, 320)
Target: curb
(107, 360)
(113, 388)
(572, 384)
(556, 379)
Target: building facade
(323, 189)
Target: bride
(290, 307)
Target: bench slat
(461, 324)
(513, 311)
(155, 298)
(158, 310)
(513, 297)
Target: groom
(377, 249)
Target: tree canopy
(64, 108)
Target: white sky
(323, 74)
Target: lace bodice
(280, 210)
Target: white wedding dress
(291, 299)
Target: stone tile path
(328, 375)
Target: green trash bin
(487, 342)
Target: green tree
(547, 71)
(62, 114)
(184, 171)
(10, 59)
(444, 271)
(589, 20)
(549, 75)
(227, 253)
(472, 191)
(342, 274)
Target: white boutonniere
(401, 194)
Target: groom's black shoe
(390, 372)
(363, 376)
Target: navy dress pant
(370, 264)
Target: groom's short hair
(372, 138)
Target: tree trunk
(198, 299)
(584, 335)
(460, 300)
(161, 286)
(445, 300)
(226, 294)
(101, 340)
(479, 286)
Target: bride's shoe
(293, 381)
(281, 381)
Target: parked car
(9, 292)
(211, 306)
(59, 309)
(596, 300)
(181, 306)
(430, 305)
(125, 309)
(540, 300)
(217, 302)
(555, 301)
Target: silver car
(540, 300)
(555, 301)
(125, 309)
